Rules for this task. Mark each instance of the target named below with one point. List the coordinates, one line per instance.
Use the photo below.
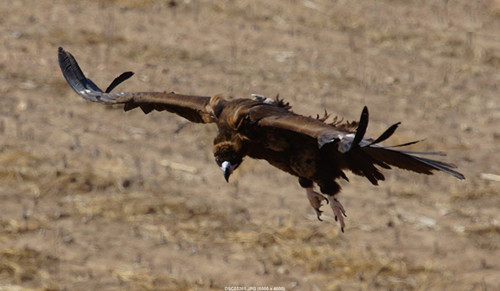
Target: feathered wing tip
(445, 167)
(408, 160)
(411, 161)
(74, 75)
(79, 82)
(387, 133)
(385, 156)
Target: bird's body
(309, 148)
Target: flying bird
(312, 149)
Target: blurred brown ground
(93, 198)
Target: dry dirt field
(93, 198)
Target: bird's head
(228, 157)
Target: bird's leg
(331, 188)
(315, 199)
(339, 212)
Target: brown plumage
(310, 148)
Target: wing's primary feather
(360, 132)
(74, 75)
(193, 108)
(118, 80)
(410, 161)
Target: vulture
(312, 149)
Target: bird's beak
(227, 169)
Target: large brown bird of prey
(261, 128)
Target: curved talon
(339, 212)
(318, 213)
(315, 200)
(341, 207)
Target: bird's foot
(316, 200)
(339, 212)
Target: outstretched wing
(352, 150)
(193, 108)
